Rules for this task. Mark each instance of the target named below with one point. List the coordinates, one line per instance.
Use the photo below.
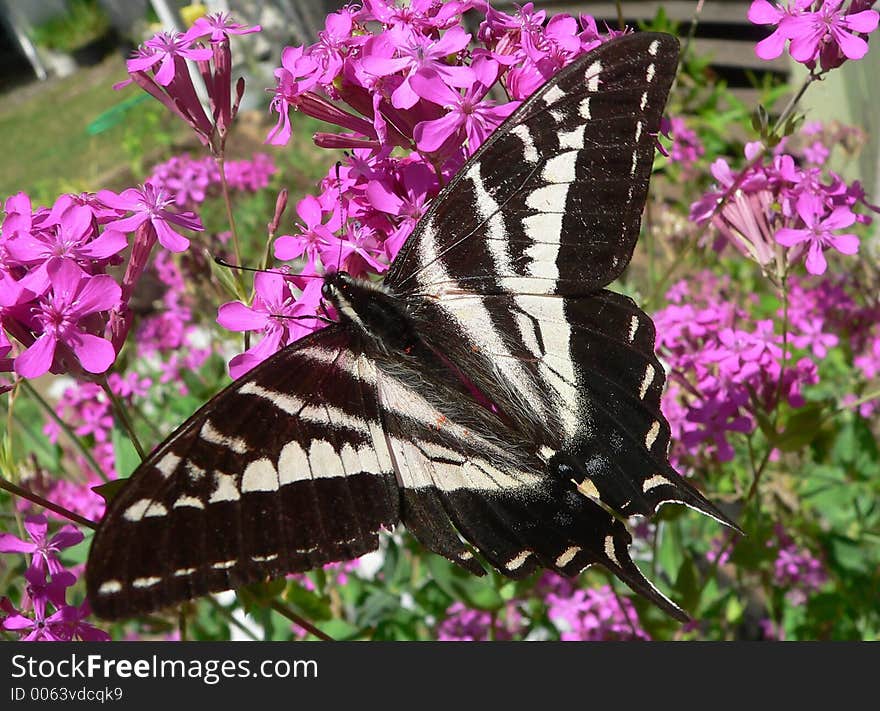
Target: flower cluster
(193, 180)
(817, 30)
(159, 67)
(777, 212)
(409, 79)
(44, 614)
(725, 367)
(796, 569)
(58, 301)
(462, 624)
(590, 614)
(686, 148)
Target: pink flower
(762, 12)
(219, 26)
(811, 32)
(470, 111)
(167, 48)
(150, 203)
(73, 238)
(818, 232)
(281, 316)
(73, 297)
(44, 551)
(420, 54)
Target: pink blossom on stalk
(150, 203)
(44, 550)
(818, 232)
(165, 49)
(219, 26)
(762, 12)
(72, 238)
(718, 416)
(812, 32)
(593, 614)
(40, 590)
(40, 628)
(74, 296)
(315, 237)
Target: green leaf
(110, 489)
(478, 593)
(124, 454)
(670, 554)
(307, 603)
(801, 428)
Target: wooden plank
(734, 53)
(679, 10)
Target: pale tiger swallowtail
(491, 395)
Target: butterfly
(490, 395)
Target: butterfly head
(371, 307)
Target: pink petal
(289, 247)
(864, 21)
(166, 72)
(816, 263)
(99, 293)
(770, 47)
(853, 47)
(37, 359)
(168, 238)
(762, 12)
(108, 243)
(788, 237)
(804, 47)
(18, 622)
(430, 135)
(128, 224)
(839, 218)
(66, 537)
(309, 209)
(235, 316)
(430, 86)
(384, 199)
(453, 41)
(94, 353)
(845, 244)
(11, 544)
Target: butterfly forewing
(285, 470)
(552, 201)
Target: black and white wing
(552, 201)
(508, 268)
(302, 461)
(279, 473)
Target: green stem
(77, 442)
(122, 416)
(16, 490)
(783, 288)
(227, 201)
(296, 619)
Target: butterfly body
(491, 395)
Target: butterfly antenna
(229, 265)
